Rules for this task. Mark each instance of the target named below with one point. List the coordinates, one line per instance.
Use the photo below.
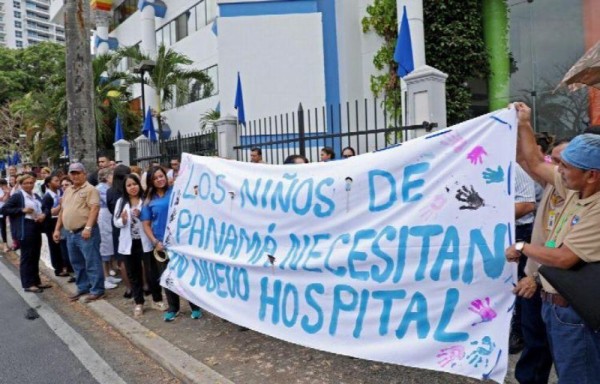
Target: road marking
(90, 359)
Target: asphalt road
(30, 352)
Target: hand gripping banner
(394, 256)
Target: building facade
(314, 52)
(27, 22)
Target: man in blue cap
(573, 239)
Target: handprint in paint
(476, 155)
(483, 309)
(434, 207)
(455, 140)
(469, 196)
(481, 353)
(490, 176)
(450, 355)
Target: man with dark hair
(573, 240)
(256, 155)
(174, 171)
(103, 162)
(595, 129)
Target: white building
(286, 51)
(27, 22)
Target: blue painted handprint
(482, 352)
(490, 176)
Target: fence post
(122, 151)
(227, 136)
(301, 137)
(426, 92)
(179, 148)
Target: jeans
(575, 347)
(535, 362)
(86, 261)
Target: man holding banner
(573, 240)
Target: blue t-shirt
(157, 211)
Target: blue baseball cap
(583, 152)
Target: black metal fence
(144, 152)
(365, 126)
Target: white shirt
(32, 202)
(125, 240)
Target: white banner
(395, 256)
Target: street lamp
(143, 67)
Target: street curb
(173, 359)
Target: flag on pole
(16, 158)
(119, 130)
(148, 127)
(239, 102)
(403, 54)
(65, 145)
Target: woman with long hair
(113, 194)
(135, 245)
(25, 211)
(154, 216)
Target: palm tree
(111, 99)
(168, 78)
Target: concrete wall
(280, 60)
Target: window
(200, 15)
(123, 12)
(18, 24)
(17, 14)
(211, 10)
(18, 34)
(19, 44)
(181, 25)
(16, 4)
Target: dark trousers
(173, 299)
(535, 362)
(522, 233)
(64, 252)
(30, 254)
(56, 258)
(3, 229)
(133, 263)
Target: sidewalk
(210, 350)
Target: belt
(76, 230)
(554, 298)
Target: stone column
(426, 93)
(227, 136)
(122, 151)
(102, 23)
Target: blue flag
(119, 130)
(403, 54)
(16, 158)
(148, 127)
(239, 102)
(65, 145)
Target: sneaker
(109, 285)
(127, 295)
(113, 280)
(196, 314)
(159, 305)
(138, 310)
(170, 316)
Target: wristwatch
(519, 246)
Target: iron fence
(144, 152)
(365, 126)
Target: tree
(168, 76)
(80, 108)
(111, 99)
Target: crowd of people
(107, 227)
(103, 229)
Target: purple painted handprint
(483, 309)
(455, 140)
(451, 355)
(434, 207)
(476, 155)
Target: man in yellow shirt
(572, 240)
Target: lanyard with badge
(551, 243)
